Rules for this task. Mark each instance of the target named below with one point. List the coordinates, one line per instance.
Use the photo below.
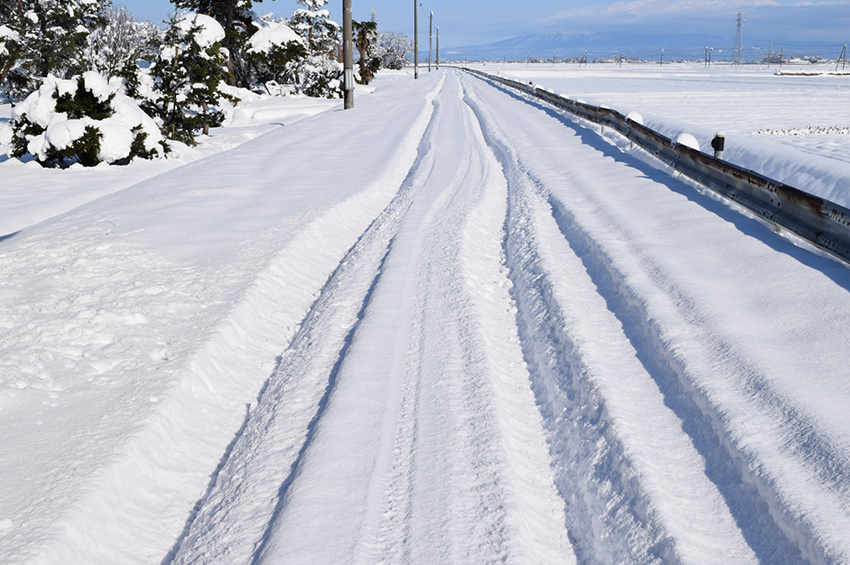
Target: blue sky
(474, 22)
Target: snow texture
(451, 325)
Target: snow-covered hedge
(86, 120)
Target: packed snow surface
(451, 325)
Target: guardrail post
(718, 144)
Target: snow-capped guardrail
(821, 222)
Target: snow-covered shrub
(86, 120)
(182, 86)
(321, 77)
(282, 62)
(319, 74)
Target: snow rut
(623, 503)
(138, 501)
(428, 449)
(232, 523)
(590, 386)
(399, 425)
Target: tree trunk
(206, 124)
(363, 70)
(228, 29)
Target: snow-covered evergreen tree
(46, 37)
(16, 23)
(235, 17)
(12, 21)
(320, 73)
(321, 77)
(182, 87)
(86, 120)
(123, 40)
(275, 54)
(313, 23)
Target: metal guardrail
(823, 223)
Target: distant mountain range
(676, 47)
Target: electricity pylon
(738, 51)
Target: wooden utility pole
(347, 55)
(415, 39)
(430, 35)
(438, 48)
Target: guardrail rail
(821, 222)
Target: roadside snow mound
(86, 120)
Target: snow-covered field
(448, 326)
(795, 129)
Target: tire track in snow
(590, 382)
(232, 523)
(607, 514)
(780, 529)
(445, 476)
(760, 480)
(348, 477)
(139, 500)
(336, 488)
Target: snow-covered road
(486, 334)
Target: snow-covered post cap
(688, 140)
(635, 117)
